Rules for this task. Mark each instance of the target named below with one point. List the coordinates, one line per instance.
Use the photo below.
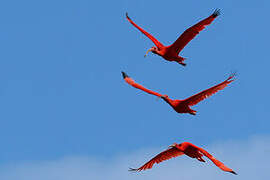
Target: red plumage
(171, 52)
(183, 106)
(186, 148)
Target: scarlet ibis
(183, 106)
(170, 53)
(186, 148)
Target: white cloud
(248, 158)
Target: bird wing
(195, 99)
(155, 41)
(191, 32)
(213, 159)
(165, 155)
(138, 86)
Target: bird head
(178, 146)
(173, 145)
(153, 50)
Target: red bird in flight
(186, 148)
(183, 106)
(171, 52)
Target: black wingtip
(233, 75)
(124, 75)
(216, 13)
(133, 170)
(233, 172)
(127, 16)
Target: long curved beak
(147, 52)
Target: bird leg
(192, 112)
(183, 64)
(199, 156)
(201, 159)
(180, 60)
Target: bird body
(183, 106)
(179, 105)
(171, 52)
(185, 148)
(168, 53)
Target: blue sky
(62, 94)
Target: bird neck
(168, 100)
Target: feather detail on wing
(155, 41)
(214, 160)
(165, 155)
(195, 99)
(138, 86)
(191, 32)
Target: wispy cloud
(250, 159)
